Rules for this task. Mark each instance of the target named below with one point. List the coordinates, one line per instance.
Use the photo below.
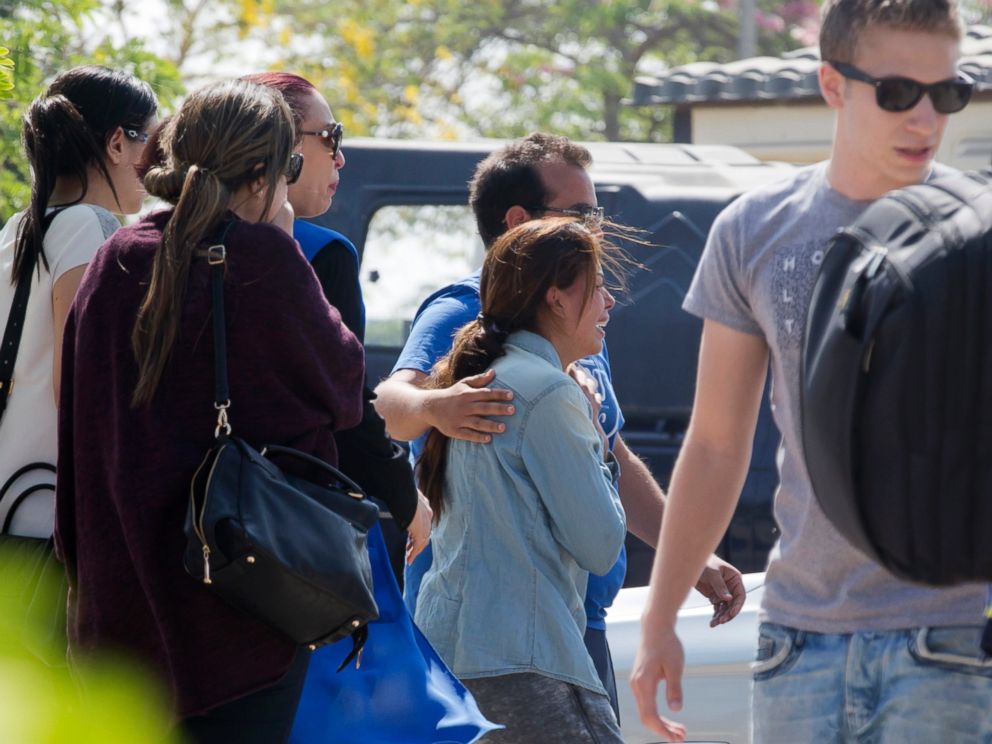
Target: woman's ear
(115, 147)
(258, 187)
(552, 299)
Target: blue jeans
(926, 685)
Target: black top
(335, 268)
(366, 453)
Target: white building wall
(801, 133)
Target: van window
(411, 251)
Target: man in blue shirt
(529, 178)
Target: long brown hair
(519, 269)
(226, 135)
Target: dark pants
(263, 717)
(540, 710)
(599, 650)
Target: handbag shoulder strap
(216, 256)
(15, 321)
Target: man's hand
(419, 531)
(723, 586)
(462, 411)
(659, 657)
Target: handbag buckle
(222, 422)
(216, 254)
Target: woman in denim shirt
(523, 519)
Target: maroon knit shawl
(296, 376)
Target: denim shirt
(527, 517)
(434, 326)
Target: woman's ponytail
(477, 345)
(201, 200)
(57, 142)
(225, 136)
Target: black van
(404, 204)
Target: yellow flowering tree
(505, 67)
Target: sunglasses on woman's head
(901, 94)
(330, 138)
(294, 168)
(135, 133)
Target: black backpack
(897, 382)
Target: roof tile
(793, 76)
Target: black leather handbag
(287, 546)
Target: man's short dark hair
(843, 22)
(510, 177)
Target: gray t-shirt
(756, 276)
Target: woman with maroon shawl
(137, 414)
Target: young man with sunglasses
(529, 178)
(846, 652)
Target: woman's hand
(588, 386)
(419, 531)
(283, 217)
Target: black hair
(510, 177)
(65, 131)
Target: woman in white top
(83, 138)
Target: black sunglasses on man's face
(901, 94)
(582, 211)
(330, 138)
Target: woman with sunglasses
(137, 408)
(367, 454)
(395, 695)
(82, 138)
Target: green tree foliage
(445, 68)
(402, 68)
(43, 37)
(502, 67)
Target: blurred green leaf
(103, 700)
(42, 37)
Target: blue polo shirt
(434, 327)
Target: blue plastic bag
(401, 694)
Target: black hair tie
(491, 328)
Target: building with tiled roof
(771, 106)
